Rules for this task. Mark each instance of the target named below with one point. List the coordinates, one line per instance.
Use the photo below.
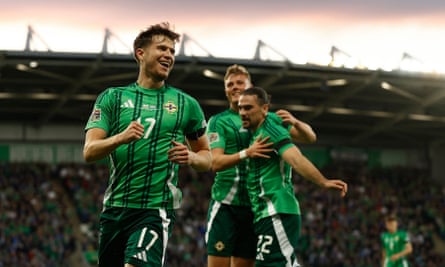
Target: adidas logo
(259, 256)
(141, 256)
(128, 104)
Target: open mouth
(165, 64)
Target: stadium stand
(34, 225)
(36, 229)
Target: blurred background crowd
(49, 215)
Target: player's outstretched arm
(306, 169)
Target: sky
(374, 34)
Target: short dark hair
(262, 96)
(145, 37)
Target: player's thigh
(242, 262)
(277, 239)
(218, 261)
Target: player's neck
(254, 129)
(149, 83)
(234, 107)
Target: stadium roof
(344, 106)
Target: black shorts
(135, 236)
(230, 231)
(277, 240)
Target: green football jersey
(141, 176)
(394, 243)
(225, 131)
(269, 180)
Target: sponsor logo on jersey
(170, 107)
(149, 107)
(95, 115)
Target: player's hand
(134, 131)
(179, 153)
(260, 148)
(337, 184)
(286, 116)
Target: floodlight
(211, 74)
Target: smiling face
(156, 59)
(235, 84)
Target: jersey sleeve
(197, 123)
(284, 145)
(406, 237)
(101, 113)
(277, 119)
(215, 133)
(279, 135)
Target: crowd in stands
(336, 232)
(34, 227)
(346, 232)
